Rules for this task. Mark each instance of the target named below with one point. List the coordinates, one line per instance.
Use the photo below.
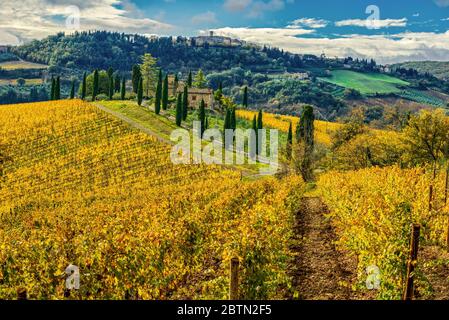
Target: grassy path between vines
(320, 272)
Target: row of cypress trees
(55, 93)
(162, 94)
(230, 119)
(115, 85)
(56, 87)
(182, 107)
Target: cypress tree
(110, 72)
(72, 90)
(185, 103)
(136, 75)
(140, 92)
(289, 142)
(206, 125)
(233, 124)
(245, 98)
(117, 83)
(220, 86)
(190, 80)
(202, 116)
(95, 86)
(111, 87)
(83, 88)
(52, 92)
(165, 94)
(305, 129)
(58, 89)
(305, 137)
(227, 121)
(123, 89)
(260, 120)
(179, 113)
(157, 101)
(255, 129)
(175, 85)
(259, 127)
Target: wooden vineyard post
(431, 186)
(411, 263)
(447, 236)
(22, 294)
(234, 281)
(446, 184)
(446, 188)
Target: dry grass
(16, 65)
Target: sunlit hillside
(81, 187)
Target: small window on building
(193, 98)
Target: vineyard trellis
(81, 187)
(374, 208)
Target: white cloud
(385, 49)
(309, 23)
(204, 18)
(29, 19)
(262, 35)
(377, 23)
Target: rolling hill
(439, 69)
(278, 81)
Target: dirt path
(320, 272)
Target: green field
(16, 65)
(366, 83)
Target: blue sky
(389, 31)
(422, 15)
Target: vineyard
(323, 129)
(372, 210)
(421, 97)
(80, 187)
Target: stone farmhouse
(195, 95)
